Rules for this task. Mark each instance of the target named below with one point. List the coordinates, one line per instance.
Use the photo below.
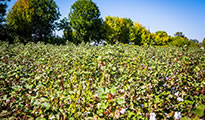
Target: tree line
(36, 20)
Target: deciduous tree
(179, 40)
(3, 6)
(33, 19)
(161, 38)
(67, 31)
(117, 29)
(85, 21)
(140, 35)
(194, 43)
(179, 34)
(3, 28)
(203, 43)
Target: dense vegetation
(33, 20)
(120, 81)
(157, 76)
(29, 21)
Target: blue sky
(187, 16)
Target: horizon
(171, 16)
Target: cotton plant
(52, 117)
(180, 99)
(123, 110)
(177, 115)
(152, 116)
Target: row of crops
(101, 82)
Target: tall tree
(33, 19)
(117, 29)
(3, 6)
(46, 12)
(140, 35)
(3, 29)
(194, 43)
(203, 43)
(20, 19)
(85, 21)
(161, 38)
(67, 31)
(194, 40)
(127, 25)
(179, 34)
(179, 40)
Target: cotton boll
(121, 91)
(53, 117)
(143, 87)
(96, 95)
(84, 87)
(152, 116)
(177, 115)
(87, 113)
(180, 99)
(7, 100)
(98, 105)
(177, 93)
(122, 111)
(69, 102)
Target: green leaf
(121, 101)
(199, 110)
(113, 90)
(114, 68)
(184, 118)
(38, 78)
(103, 105)
(40, 118)
(46, 105)
(5, 97)
(130, 114)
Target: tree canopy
(3, 27)
(203, 42)
(85, 21)
(140, 35)
(179, 34)
(179, 40)
(3, 6)
(117, 29)
(161, 38)
(34, 20)
(67, 31)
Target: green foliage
(199, 110)
(179, 41)
(194, 43)
(85, 21)
(161, 38)
(120, 82)
(46, 12)
(203, 43)
(3, 6)
(4, 34)
(67, 31)
(117, 29)
(140, 35)
(179, 34)
(19, 19)
(126, 30)
(33, 20)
